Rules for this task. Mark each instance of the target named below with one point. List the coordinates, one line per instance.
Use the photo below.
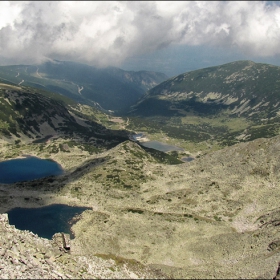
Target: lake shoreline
(27, 169)
(141, 139)
(47, 220)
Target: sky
(164, 36)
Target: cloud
(106, 33)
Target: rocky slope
(244, 88)
(24, 255)
(214, 217)
(28, 115)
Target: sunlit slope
(190, 220)
(234, 102)
(215, 216)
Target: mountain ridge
(108, 88)
(233, 102)
(235, 80)
(28, 115)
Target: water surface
(187, 159)
(45, 221)
(27, 169)
(160, 146)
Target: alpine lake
(160, 146)
(43, 221)
(48, 220)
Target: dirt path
(80, 89)
(37, 72)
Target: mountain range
(107, 88)
(225, 104)
(216, 216)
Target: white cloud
(106, 33)
(9, 12)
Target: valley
(108, 89)
(214, 217)
(213, 107)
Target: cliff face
(25, 255)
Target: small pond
(27, 169)
(187, 159)
(45, 221)
(160, 146)
(163, 147)
(140, 134)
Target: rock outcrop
(24, 255)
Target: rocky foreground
(24, 255)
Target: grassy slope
(212, 107)
(214, 217)
(190, 220)
(28, 114)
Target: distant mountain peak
(238, 89)
(228, 86)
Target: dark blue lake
(27, 169)
(45, 221)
